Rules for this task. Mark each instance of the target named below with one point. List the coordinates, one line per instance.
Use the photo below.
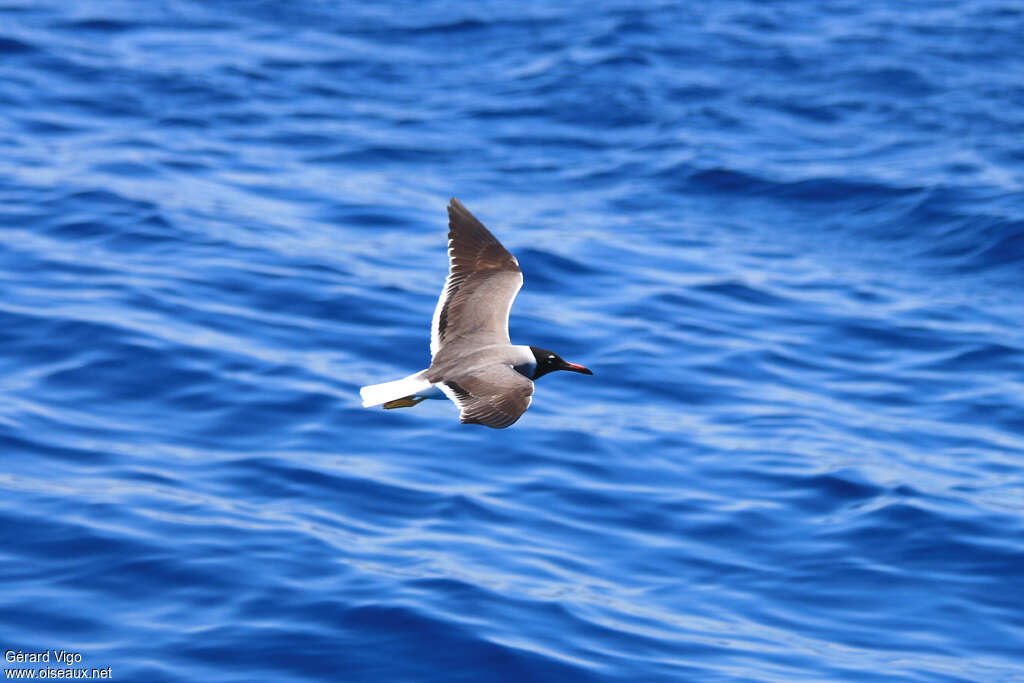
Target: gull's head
(549, 361)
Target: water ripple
(788, 239)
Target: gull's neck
(524, 362)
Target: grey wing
(483, 280)
(496, 396)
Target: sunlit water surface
(787, 238)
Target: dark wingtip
(455, 207)
(480, 250)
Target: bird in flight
(473, 361)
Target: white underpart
(413, 385)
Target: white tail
(375, 394)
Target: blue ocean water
(787, 237)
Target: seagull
(473, 361)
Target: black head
(549, 361)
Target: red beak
(575, 368)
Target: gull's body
(474, 363)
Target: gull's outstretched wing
(483, 280)
(495, 396)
